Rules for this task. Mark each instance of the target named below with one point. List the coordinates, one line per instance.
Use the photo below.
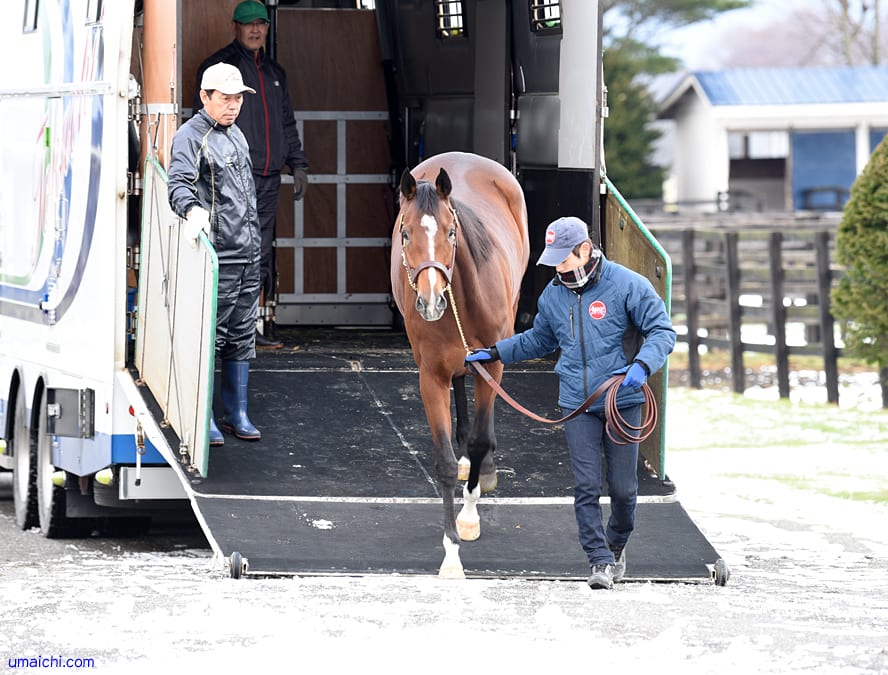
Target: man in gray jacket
(607, 320)
(211, 187)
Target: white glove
(198, 219)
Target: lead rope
(619, 431)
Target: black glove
(486, 355)
(300, 183)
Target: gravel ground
(793, 496)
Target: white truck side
(75, 423)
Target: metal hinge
(134, 183)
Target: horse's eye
(452, 233)
(404, 237)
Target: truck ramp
(342, 481)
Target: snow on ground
(794, 496)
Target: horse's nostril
(420, 303)
(442, 303)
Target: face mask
(581, 275)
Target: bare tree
(828, 33)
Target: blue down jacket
(601, 331)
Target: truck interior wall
(206, 28)
(324, 78)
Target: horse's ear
(408, 185)
(443, 184)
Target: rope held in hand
(618, 429)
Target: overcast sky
(695, 43)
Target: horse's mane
(475, 235)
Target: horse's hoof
(468, 530)
(451, 572)
(462, 468)
(487, 482)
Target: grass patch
(880, 496)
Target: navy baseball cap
(562, 236)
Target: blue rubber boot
(235, 378)
(216, 437)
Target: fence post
(827, 334)
(734, 312)
(778, 315)
(689, 266)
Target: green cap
(248, 11)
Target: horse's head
(427, 228)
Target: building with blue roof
(773, 138)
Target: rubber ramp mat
(517, 540)
(342, 481)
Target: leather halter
(446, 270)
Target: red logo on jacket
(597, 310)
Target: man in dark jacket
(211, 187)
(607, 320)
(268, 123)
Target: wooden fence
(739, 284)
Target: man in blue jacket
(607, 320)
(268, 123)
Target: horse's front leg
(482, 472)
(462, 426)
(436, 398)
(482, 439)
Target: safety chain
(462, 335)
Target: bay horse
(461, 241)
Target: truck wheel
(722, 572)
(50, 498)
(24, 470)
(236, 565)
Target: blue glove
(635, 376)
(485, 355)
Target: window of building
(758, 144)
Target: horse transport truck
(107, 314)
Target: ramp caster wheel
(237, 565)
(722, 572)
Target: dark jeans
(237, 306)
(267, 190)
(585, 438)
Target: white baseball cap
(225, 78)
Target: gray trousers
(237, 307)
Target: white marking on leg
(462, 470)
(468, 522)
(451, 567)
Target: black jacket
(266, 117)
(210, 167)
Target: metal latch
(71, 412)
